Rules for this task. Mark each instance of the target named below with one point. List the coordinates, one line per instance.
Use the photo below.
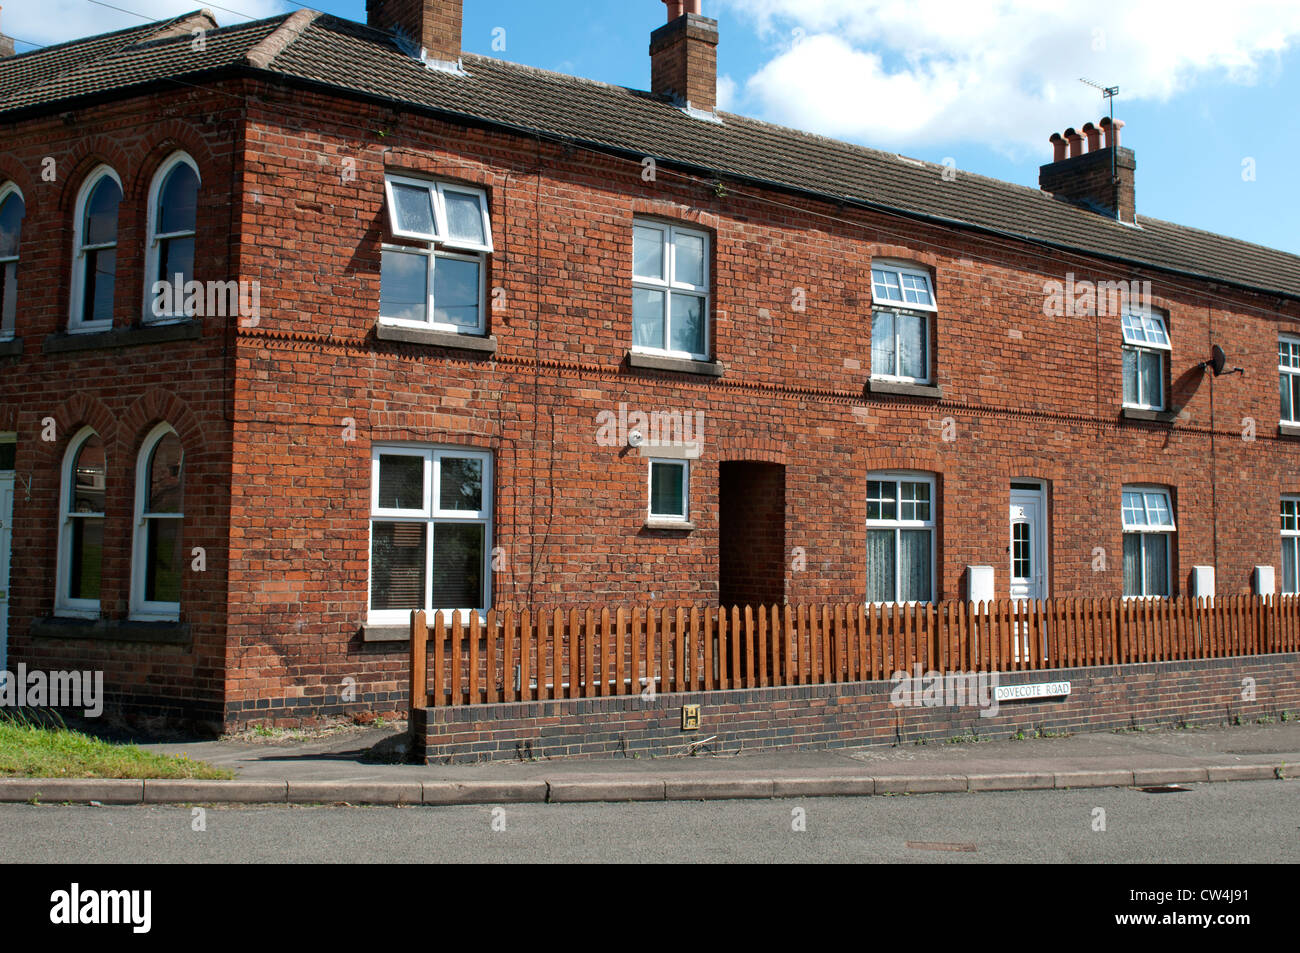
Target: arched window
(169, 253)
(157, 560)
(81, 536)
(94, 265)
(12, 210)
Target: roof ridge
(884, 154)
(179, 25)
(281, 38)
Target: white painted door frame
(1027, 564)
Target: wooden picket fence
(512, 656)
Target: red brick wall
(1152, 695)
(122, 392)
(1025, 395)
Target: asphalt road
(1250, 822)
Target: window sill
(13, 347)
(65, 342)
(433, 338)
(1287, 429)
(902, 389)
(108, 630)
(385, 632)
(681, 365)
(1148, 416)
(678, 525)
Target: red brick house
(471, 334)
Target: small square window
(669, 490)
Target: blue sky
(1207, 91)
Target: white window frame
(430, 514)
(1291, 537)
(685, 515)
(929, 359)
(64, 605)
(1138, 340)
(901, 269)
(439, 246)
(898, 524)
(1288, 373)
(668, 284)
(885, 305)
(1168, 530)
(140, 607)
(154, 237)
(7, 189)
(75, 324)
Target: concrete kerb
(611, 790)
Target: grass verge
(30, 749)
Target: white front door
(1028, 571)
(6, 541)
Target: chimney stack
(432, 28)
(1100, 178)
(684, 57)
(6, 45)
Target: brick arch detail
(752, 450)
(1051, 473)
(87, 154)
(1149, 474)
(76, 412)
(869, 459)
(171, 137)
(28, 184)
(410, 161)
(154, 407)
(667, 208)
(903, 253)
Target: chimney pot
(1058, 147)
(1093, 135)
(1075, 140)
(1111, 128)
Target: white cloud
(57, 21)
(904, 73)
(727, 91)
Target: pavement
(348, 767)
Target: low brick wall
(1150, 695)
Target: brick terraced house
(468, 334)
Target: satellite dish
(1218, 360)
